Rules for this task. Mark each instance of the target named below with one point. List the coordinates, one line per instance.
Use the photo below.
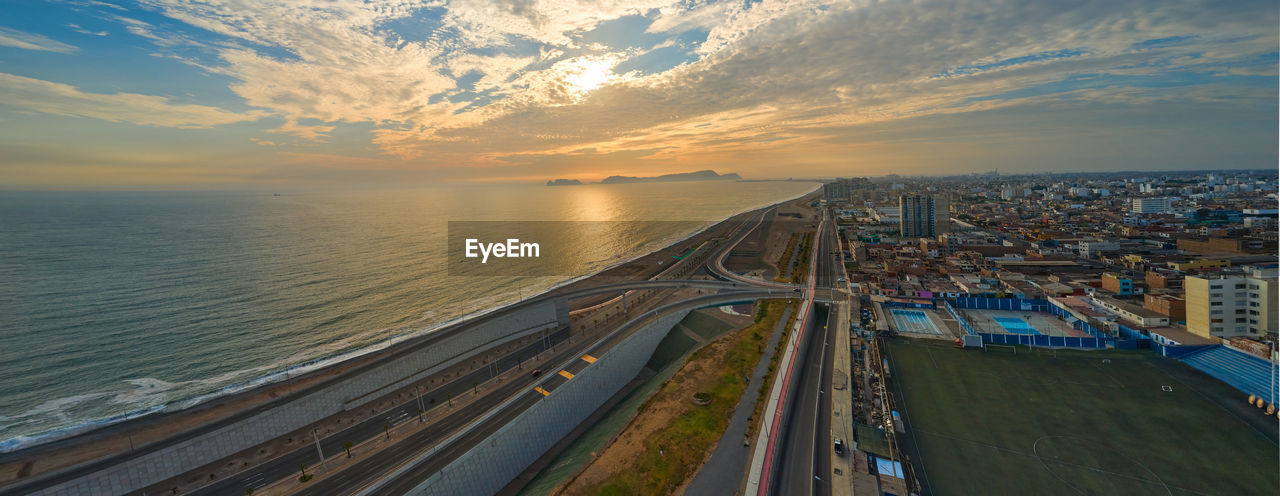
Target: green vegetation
(801, 270)
(770, 373)
(784, 260)
(674, 453)
(1032, 423)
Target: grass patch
(769, 374)
(674, 453)
(784, 260)
(999, 423)
(801, 270)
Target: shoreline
(299, 375)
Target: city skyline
(177, 94)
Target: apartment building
(1231, 305)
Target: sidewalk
(842, 465)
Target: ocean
(117, 304)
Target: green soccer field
(996, 422)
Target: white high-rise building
(1158, 205)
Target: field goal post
(1010, 347)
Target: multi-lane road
(804, 466)
(286, 465)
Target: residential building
(923, 215)
(1231, 305)
(1157, 205)
(1172, 306)
(1095, 247)
(1117, 283)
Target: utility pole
(420, 408)
(318, 450)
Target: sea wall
(497, 460)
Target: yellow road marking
(543, 391)
(566, 374)
(589, 358)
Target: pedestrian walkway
(842, 464)
(723, 474)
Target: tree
(386, 429)
(475, 387)
(303, 467)
(520, 360)
(347, 446)
(450, 399)
(248, 490)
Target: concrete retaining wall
(352, 391)
(489, 466)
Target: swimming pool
(915, 322)
(1014, 325)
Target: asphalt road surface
(286, 465)
(803, 463)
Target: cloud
(77, 28)
(311, 133)
(62, 99)
(488, 82)
(793, 67)
(29, 41)
(495, 22)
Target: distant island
(702, 175)
(564, 182)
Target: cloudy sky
(229, 93)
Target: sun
(589, 74)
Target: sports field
(995, 422)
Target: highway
(406, 481)
(805, 462)
(804, 444)
(286, 465)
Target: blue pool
(1014, 325)
(915, 322)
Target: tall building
(1151, 205)
(1231, 305)
(924, 216)
(842, 188)
(838, 190)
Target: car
(797, 290)
(537, 372)
(839, 446)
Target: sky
(177, 94)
